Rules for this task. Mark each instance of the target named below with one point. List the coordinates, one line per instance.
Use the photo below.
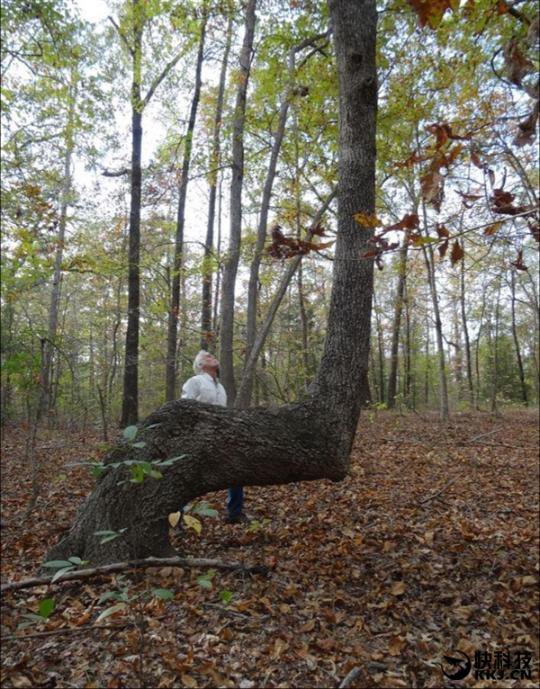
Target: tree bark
(174, 308)
(130, 399)
(221, 447)
(207, 334)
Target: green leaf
(130, 432)
(154, 473)
(225, 596)
(204, 582)
(58, 574)
(137, 473)
(46, 607)
(75, 560)
(109, 535)
(114, 595)
(192, 523)
(58, 564)
(111, 611)
(164, 594)
(140, 444)
(204, 509)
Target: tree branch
(122, 36)
(133, 564)
(157, 81)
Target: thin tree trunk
(428, 365)
(235, 234)
(46, 376)
(398, 308)
(130, 399)
(174, 309)
(253, 285)
(207, 332)
(215, 315)
(464, 324)
(430, 268)
(495, 355)
(523, 385)
(380, 344)
(249, 369)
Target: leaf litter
(430, 546)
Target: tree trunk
(207, 334)
(380, 344)
(130, 399)
(46, 375)
(174, 309)
(262, 446)
(468, 355)
(521, 370)
(398, 308)
(430, 268)
(235, 234)
(251, 363)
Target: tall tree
(134, 23)
(235, 210)
(207, 334)
(174, 309)
(305, 441)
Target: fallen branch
(134, 564)
(349, 679)
(435, 495)
(86, 628)
(484, 435)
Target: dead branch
(435, 495)
(134, 564)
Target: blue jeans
(235, 501)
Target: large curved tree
(222, 447)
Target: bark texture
(227, 447)
(130, 399)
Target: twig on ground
(349, 679)
(483, 435)
(135, 564)
(435, 495)
(77, 630)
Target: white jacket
(204, 388)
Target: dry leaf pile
(427, 548)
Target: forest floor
(428, 549)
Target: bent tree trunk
(308, 441)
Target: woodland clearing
(428, 547)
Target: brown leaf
(517, 64)
(396, 645)
(430, 12)
(491, 229)
(527, 128)
(457, 252)
(398, 588)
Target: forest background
(454, 328)
(169, 183)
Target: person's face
(210, 361)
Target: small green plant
(64, 566)
(205, 580)
(45, 609)
(256, 525)
(225, 596)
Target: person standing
(205, 387)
